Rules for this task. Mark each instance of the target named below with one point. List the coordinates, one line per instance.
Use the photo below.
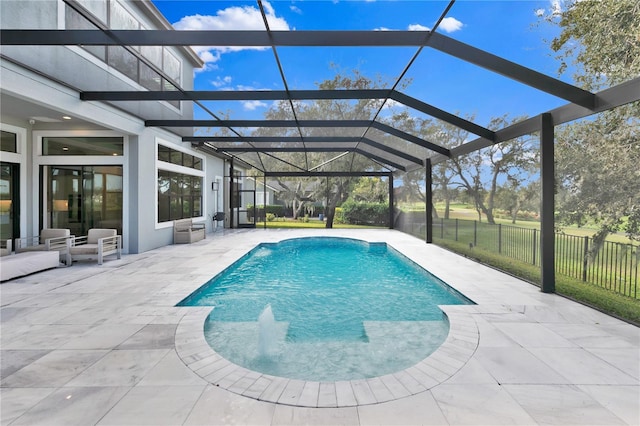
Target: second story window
(179, 158)
(112, 14)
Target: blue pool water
(344, 309)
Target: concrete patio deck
(106, 345)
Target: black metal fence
(613, 266)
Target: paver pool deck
(106, 345)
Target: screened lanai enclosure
(345, 126)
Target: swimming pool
(344, 309)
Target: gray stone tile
(344, 394)
(472, 373)
(105, 336)
(14, 402)
(583, 368)
(45, 337)
(292, 392)
(420, 409)
(220, 407)
(309, 394)
(154, 405)
(532, 335)
(561, 404)
(54, 369)
(73, 406)
(295, 416)
(153, 336)
(479, 405)
(627, 360)
(171, 371)
(622, 401)
(120, 368)
(518, 366)
(12, 361)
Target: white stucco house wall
(82, 164)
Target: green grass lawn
(467, 212)
(602, 299)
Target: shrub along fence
(362, 213)
(614, 266)
(275, 210)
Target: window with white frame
(180, 183)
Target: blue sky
(505, 28)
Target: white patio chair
(98, 243)
(50, 239)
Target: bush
(338, 216)
(365, 213)
(274, 209)
(620, 306)
(271, 217)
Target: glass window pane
(164, 153)
(79, 200)
(163, 196)
(75, 21)
(176, 157)
(121, 19)
(82, 146)
(154, 54)
(185, 184)
(8, 142)
(150, 79)
(197, 163)
(186, 207)
(97, 7)
(197, 206)
(172, 66)
(179, 196)
(124, 61)
(196, 185)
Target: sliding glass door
(9, 201)
(83, 197)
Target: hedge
(362, 213)
(274, 209)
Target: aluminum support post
(547, 222)
(391, 201)
(429, 200)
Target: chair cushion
(96, 233)
(47, 233)
(84, 249)
(21, 264)
(38, 247)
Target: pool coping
(460, 344)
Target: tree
(370, 190)
(597, 160)
(600, 38)
(479, 172)
(334, 190)
(513, 197)
(598, 174)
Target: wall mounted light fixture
(215, 185)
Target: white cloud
(382, 29)
(252, 105)
(417, 27)
(556, 7)
(231, 18)
(221, 82)
(539, 12)
(295, 9)
(450, 24)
